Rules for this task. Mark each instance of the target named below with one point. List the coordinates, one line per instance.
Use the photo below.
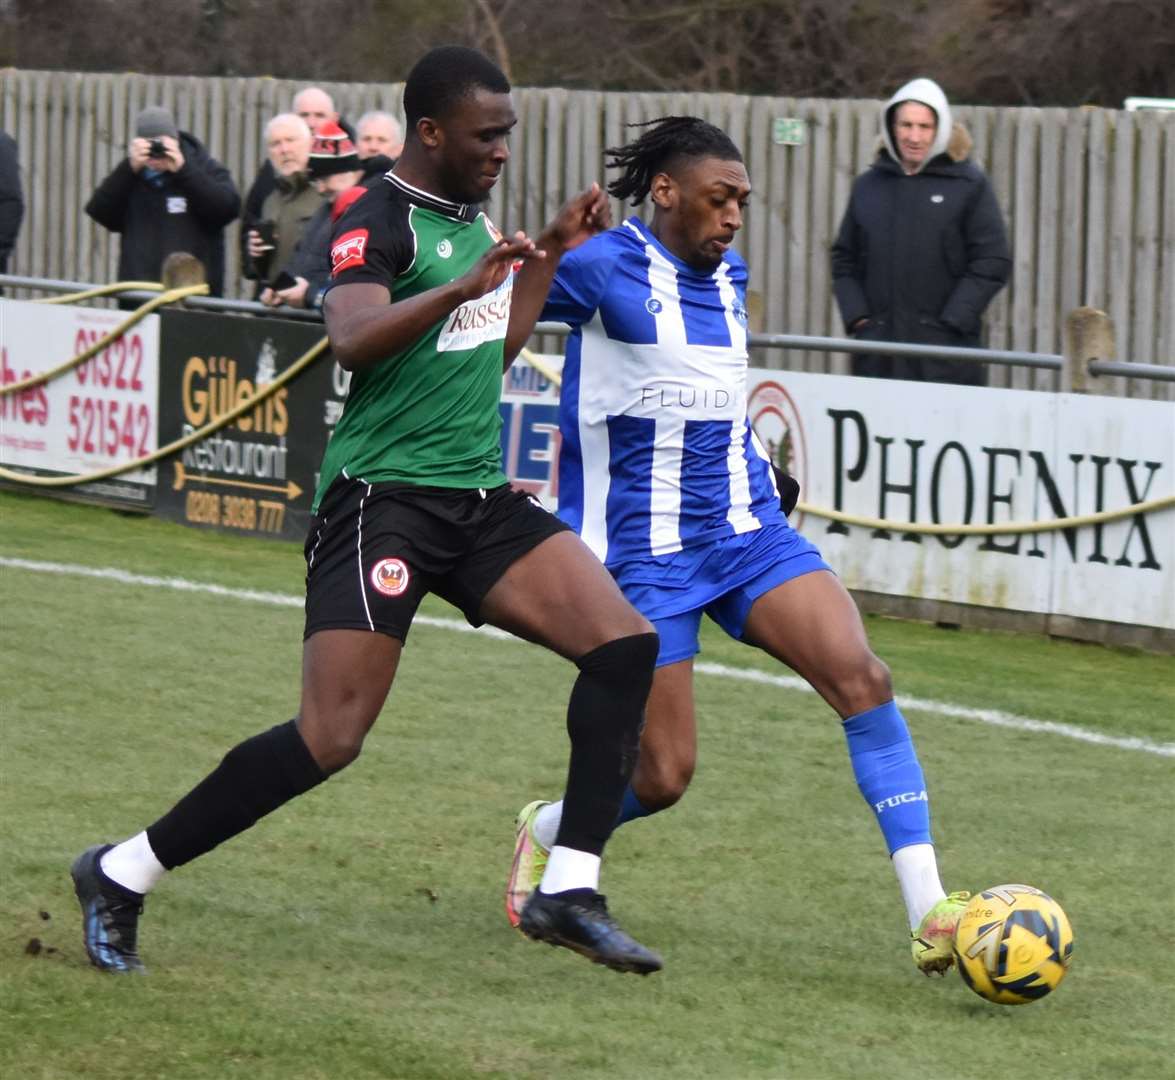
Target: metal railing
(200, 303)
(1010, 357)
(1085, 191)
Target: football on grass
(1013, 944)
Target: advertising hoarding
(257, 474)
(932, 453)
(102, 413)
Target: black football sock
(254, 778)
(604, 719)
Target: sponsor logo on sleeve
(348, 251)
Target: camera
(157, 149)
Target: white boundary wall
(879, 449)
(934, 453)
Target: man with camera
(168, 194)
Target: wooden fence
(1089, 194)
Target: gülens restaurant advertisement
(257, 473)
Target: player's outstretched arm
(579, 220)
(365, 328)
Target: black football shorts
(374, 550)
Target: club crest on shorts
(390, 577)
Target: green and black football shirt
(428, 414)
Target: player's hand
(485, 275)
(789, 490)
(269, 298)
(579, 220)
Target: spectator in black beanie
(168, 194)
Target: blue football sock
(631, 808)
(889, 775)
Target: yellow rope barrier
(294, 369)
(136, 316)
(101, 290)
(1151, 506)
(548, 373)
(1007, 528)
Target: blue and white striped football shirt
(657, 453)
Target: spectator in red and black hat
(315, 107)
(334, 169)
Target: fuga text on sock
(897, 800)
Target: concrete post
(1089, 335)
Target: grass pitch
(359, 932)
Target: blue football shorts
(722, 580)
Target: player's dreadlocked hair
(664, 143)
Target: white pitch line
(992, 717)
(960, 712)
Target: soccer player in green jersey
(426, 300)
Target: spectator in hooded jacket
(168, 194)
(922, 248)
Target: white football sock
(570, 869)
(546, 823)
(917, 871)
(132, 864)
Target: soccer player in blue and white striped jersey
(661, 474)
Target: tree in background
(1036, 52)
